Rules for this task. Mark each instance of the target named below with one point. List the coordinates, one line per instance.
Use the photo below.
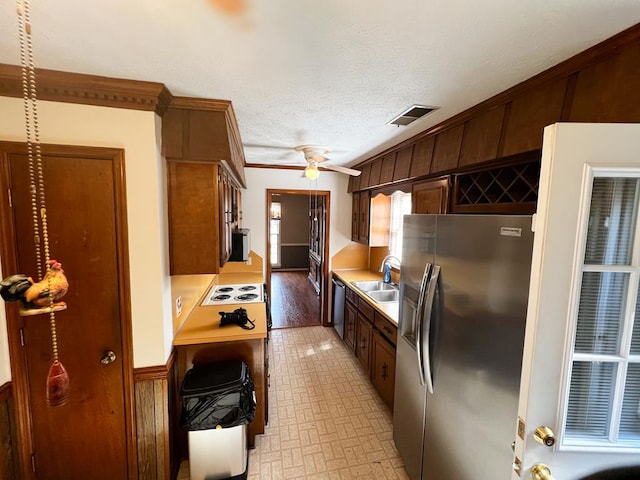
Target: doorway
(92, 436)
(298, 248)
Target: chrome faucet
(386, 259)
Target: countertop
(389, 310)
(202, 324)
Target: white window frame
(613, 444)
(393, 233)
(278, 246)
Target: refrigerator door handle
(420, 314)
(427, 326)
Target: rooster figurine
(35, 295)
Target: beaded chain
(36, 173)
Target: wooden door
(581, 362)
(431, 196)
(89, 436)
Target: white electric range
(229, 294)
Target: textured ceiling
(329, 72)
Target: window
(274, 233)
(602, 402)
(400, 206)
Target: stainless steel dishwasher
(338, 306)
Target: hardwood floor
(294, 302)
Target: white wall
(254, 204)
(138, 133)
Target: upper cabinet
(201, 217)
(205, 172)
(430, 196)
(203, 130)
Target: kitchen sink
(384, 296)
(368, 286)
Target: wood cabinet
(200, 217)
(383, 367)
(315, 273)
(201, 142)
(363, 217)
(364, 332)
(372, 338)
(203, 130)
(350, 320)
(370, 219)
(430, 196)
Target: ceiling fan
(315, 157)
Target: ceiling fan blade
(338, 168)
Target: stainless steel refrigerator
(464, 283)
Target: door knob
(545, 436)
(541, 472)
(108, 357)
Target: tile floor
(325, 419)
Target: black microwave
(240, 245)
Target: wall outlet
(178, 306)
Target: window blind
(603, 404)
(400, 206)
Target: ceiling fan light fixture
(311, 172)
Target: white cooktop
(228, 294)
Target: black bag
(220, 394)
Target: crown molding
(86, 89)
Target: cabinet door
(431, 196)
(363, 212)
(355, 216)
(383, 368)
(194, 218)
(225, 230)
(364, 332)
(350, 320)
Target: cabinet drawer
(365, 309)
(386, 328)
(352, 296)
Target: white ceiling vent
(411, 114)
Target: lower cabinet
(363, 342)
(372, 339)
(383, 368)
(350, 321)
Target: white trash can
(218, 401)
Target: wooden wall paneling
(609, 90)
(374, 175)
(388, 166)
(530, 113)
(172, 133)
(208, 137)
(481, 137)
(447, 149)
(422, 157)
(150, 414)
(364, 178)
(403, 164)
(8, 447)
(352, 181)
